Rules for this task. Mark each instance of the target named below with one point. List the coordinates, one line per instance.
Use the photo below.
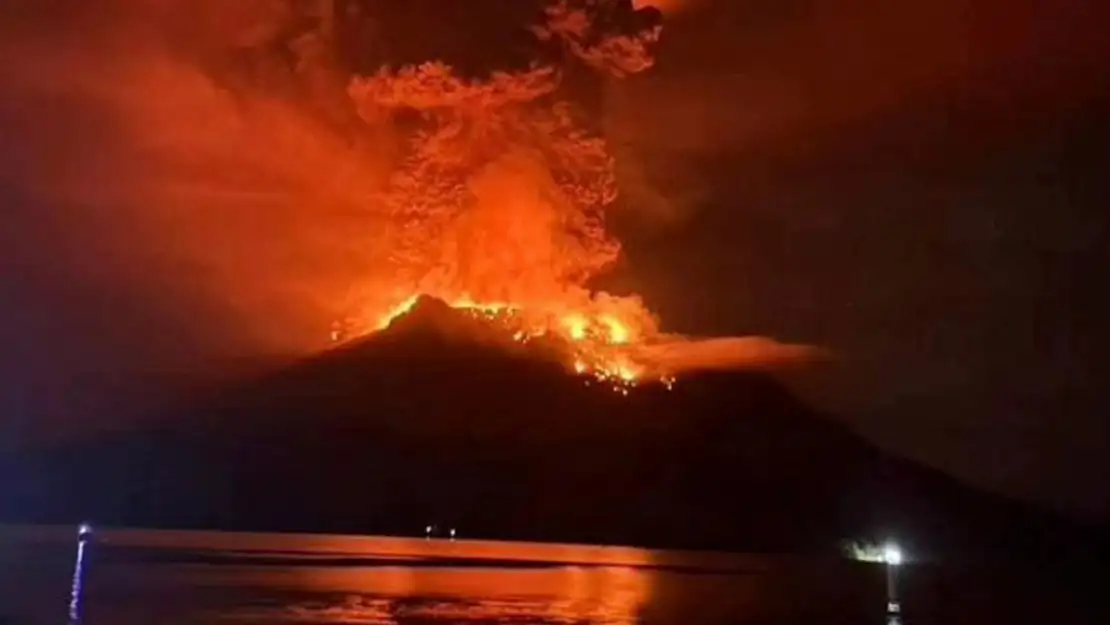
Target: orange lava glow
(601, 344)
(666, 6)
(285, 193)
(496, 204)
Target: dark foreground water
(138, 577)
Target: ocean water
(143, 577)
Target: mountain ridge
(440, 420)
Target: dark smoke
(159, 222)
(184, 189)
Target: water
(139, 577)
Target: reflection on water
(76, 592)
(182, 578)
(204, 578)
(606, 596)
(312, 546)
(197, 578)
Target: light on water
(888, 554)
(892, 555)
(139, 577)
(84, 533)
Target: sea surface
(146, 577)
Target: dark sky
(918, 187)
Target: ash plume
(232, 183)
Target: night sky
(920, 188)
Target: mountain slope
(436, 421)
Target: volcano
(441, 419)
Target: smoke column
(200, 180)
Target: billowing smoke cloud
(160, 222)
(210, 179)
(137, 143)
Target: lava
(597, 346)
(497, 200)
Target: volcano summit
(443, 419)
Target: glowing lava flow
(600, 343)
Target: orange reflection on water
(390, 580)
(563, 594)
(309, 546)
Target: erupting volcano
(602, 347)
(496, 203)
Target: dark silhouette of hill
(440, 420)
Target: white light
(892, 555)
(84, 529)
(75, 595)
(452, 533)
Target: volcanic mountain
(439, 419)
